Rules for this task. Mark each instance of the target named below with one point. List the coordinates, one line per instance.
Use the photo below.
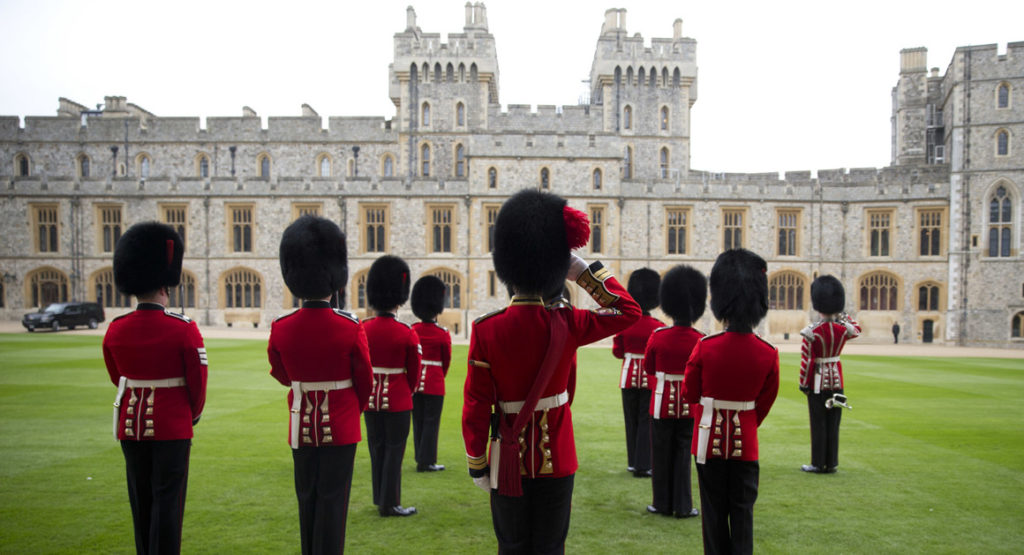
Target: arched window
(492, 178)
(676, 78)
(654, 77)
(472, 73)
(425, 115)
(879, 291)
(460, 160)
(426, 72)
(105, 293)
(597, 179)
(627, 117)
(629, 75)
(641, 77)
(425, 159)
(664, 118)
(1017, 329)
(462, 73)
(664, 77)
(437, 73)
(264, 163)
(545, 178)
(185, 291)
(1002, 142)
(786, 291)
(83, 166)
(1003, 95)
(203, 166)
(323, 165)
(359, 291)
(627, 164)
(460, 114)
(143, 161)
(452, 287)
(388, 166)
(1000, 222)
(928, 297)
(47, 285)
(242, 289)
(21, 165)
(450, 73)
(664, 161)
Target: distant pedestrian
(895, 332)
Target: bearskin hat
(314, 258)
(828, 295)
(684, 294)
(643, 287)
(148, 257)
(387, 283)
(533, 235)
(428, 297)
(739, 288)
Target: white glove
(483, 482)
(576, 267)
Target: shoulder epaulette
(662, 328)
(178, 315)
(121, 316)
(559, 304)
(488, 315)
(765, 341)
(346, 314)
(440, 326)
(706, 337)
(286, 314)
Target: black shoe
(397, 510)
(630, 469)
(830, 470)
(430, 468)
(693, 512)
(654, 510)
(642, 473)
(811, 468)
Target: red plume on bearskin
(577, 227)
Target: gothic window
(109, 226)
(1002, 142)
(105, 292)
(1017, 327)
(732, 228)
(46, 224)
(629, 76)
(462, 73)
(879, 231)
(627, 163)
(1000, 223)
(545, 178)
(375, 224)
(879, 291)
(240, 226)
(491, 212)
(788, 224)
(676, 78)
(359, 290)
(83, 166)
(425, 115)
(664, 118)
(47, 285)
(425, 159)
(242, 289)
(460, 114)
(450, 73)
(452, 287)
(460, 161)
(143, 162)
(786, 291)
(1003, 95)
(596, 229)
(492, 178)
(654, 77)
(930, 240)
(627, 117)
(663, 160)
(387, 166)
(323, 165)
(928, 297)
(437, 73)
(472, 73)
(176, 216)
(263, 161)
(677, 221)
(185, 293)
(440, 230)
(597, 179)
(426, 72)
(664, 77)
(21, 165)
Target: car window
(52, 309)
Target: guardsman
(629, 345)
(157, 361)
(821, 373)
(520, 366)
(733, 378)
(395, 354)
(683, 294)
(321, 354)
(428, 295)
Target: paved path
(790, 346)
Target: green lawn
(932, 460)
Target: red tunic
(667, 351)
(633, 342)
(822, 343)
(505, 353)
(731, 366)
(153, 344)
(436, 346)
(319, 344)
(393, 346)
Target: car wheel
(92, 323)
(31, 329)
(55, 325)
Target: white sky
(783, 86)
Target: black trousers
(323, 480)
(728, 489)
(537, 522)
(636, 406)
(386, 435)
(824, 429)
(670, 473)
(426, 421)
(157, 481)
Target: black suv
(64, 315)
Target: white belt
(298, 389)
(659, 390)
(431, 362)
(704, 430)
(545, 403)
(817, 374)
(826, 360)
(382, 370)
(626, 363)
(124, 383)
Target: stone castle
(931, 242)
